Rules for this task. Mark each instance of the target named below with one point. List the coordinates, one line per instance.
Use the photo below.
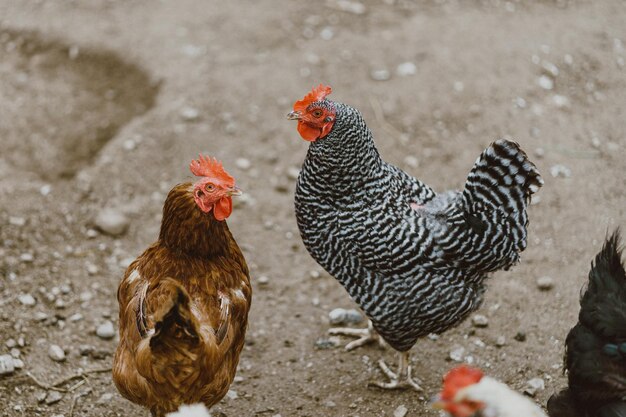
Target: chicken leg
(365, 336)
(403, 379)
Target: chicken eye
(209, 187)
(317, 113)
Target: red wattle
(308, 132)
(223, 208)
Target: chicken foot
(403, 379)
(365, 336)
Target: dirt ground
(104, 102)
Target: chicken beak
(294, 115)
(235, 192)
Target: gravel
(343, 316)
(56, 353)
(406, 68)
(27, 300)
(112, 222)
(545, 82)
(533, 386)
(106, 330)
(560, 171)
(243, 164)
(380, 75)
(6, 364)
(189, 114)
(500, 341)
(457, 354)
(401, 411)
(478, 320)
(545, 283)
(53, 397)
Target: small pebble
(401, 411)
(53, 397)
(406, 68)
(263, 280)
(243, 164)
(17, 221)
(40, 396)
(6, 364)
(112, 222)
(189, 114)
(232, 394)
(92, 269)
(75, 317)
(411, 161)
(343, 316)
(457, 354)
(520, 337)
(500, 341)
(478, 320)
(329, 343)
(327, 33)
(349, 6)
(560, 171)
(27, 257)
(540, 152)
(560, 101)
(380, 75)
(106, 330)
(105, 398)
(533, 386)
(314, 274)
(550, 68)
(545, 283)
(27, 300)
(546, 82)
(56, 353)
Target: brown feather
(184, 307)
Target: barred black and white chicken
(595, 349)
(413, 259)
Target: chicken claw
(365, 336)
(403, 379)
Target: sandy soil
(104, 102)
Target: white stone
(546, 82)
(6, 364)
(106, 330)
(27, 300)
(56, 353)
(406, 68)
(112, 222)
(401, 411)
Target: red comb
(459, 377)
(210, 167)
(317, 93)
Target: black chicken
(595, 349)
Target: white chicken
(467, 392)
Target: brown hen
(184, 302)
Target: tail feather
(502, 177)
(603, 304)
(492, 214)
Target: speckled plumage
(413, 271)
